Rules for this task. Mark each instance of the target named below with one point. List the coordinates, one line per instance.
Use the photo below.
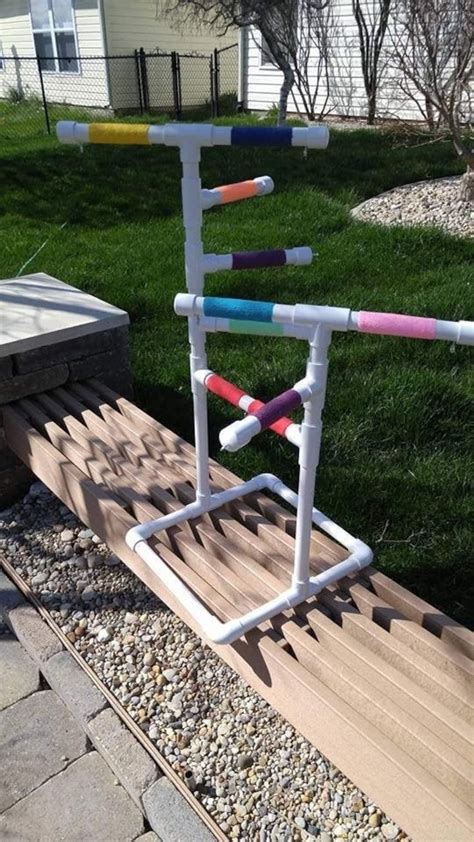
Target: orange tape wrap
(238, 191)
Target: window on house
(55, 35)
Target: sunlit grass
(397, 454)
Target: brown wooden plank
(352, 743)
(442, 654)
(444, 688)
(409, 696)
(421, 612)
(447, 765)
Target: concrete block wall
(42, 350)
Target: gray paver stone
(74, 687)
(33, 633)
(148, 837)
(170, 815)
(19, 674)
(35, 734)
(10, 596)
(81, 804)
(130, 762)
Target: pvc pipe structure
(199, 134)
(261, 186)
(237, 435)
(258, 259)
(213, 325)
(221, 387)
(226, 633)
(334, 318)
(314, 323)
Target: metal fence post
(144, 80)
(139, 80)
(43, 95)
(216, 83)
(176, 74)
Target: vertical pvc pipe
(316, 370)
(190, 154)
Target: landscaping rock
(437, 202)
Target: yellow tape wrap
(118, 133)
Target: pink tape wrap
(393, 324)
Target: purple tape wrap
(277, 408)
(258, 259)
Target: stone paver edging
(75, 698)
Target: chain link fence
(36, 92)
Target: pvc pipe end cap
(313, 137)
(265, 185)
(304, 255)
(65, 131)
(466, 333)
(238, 434)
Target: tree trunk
(430, 119)
(466, 188)
(285, 90)
(371, 105)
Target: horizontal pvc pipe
(394, 324)
(239, 433)
(257, 259)
(261, 186)
(314, 137)
(199, 134)
(234, 308)
(221, 387)
(212, 628)
(325, 523)
(144, 531)
(213, 325)
(335, 318)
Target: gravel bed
(434, 203)
(257, 777)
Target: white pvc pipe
(216, 325)
(301, 256)
(263, 185)
(238, 434)
(226, 633)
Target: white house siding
(143, 23)
(346, 89)
(88, 87)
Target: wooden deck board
(388, 702)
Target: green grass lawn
(396, 453)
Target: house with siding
(342, 93)
(71, 38)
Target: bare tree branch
(372, 18)
(432, 43)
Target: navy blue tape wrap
(261, 136)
